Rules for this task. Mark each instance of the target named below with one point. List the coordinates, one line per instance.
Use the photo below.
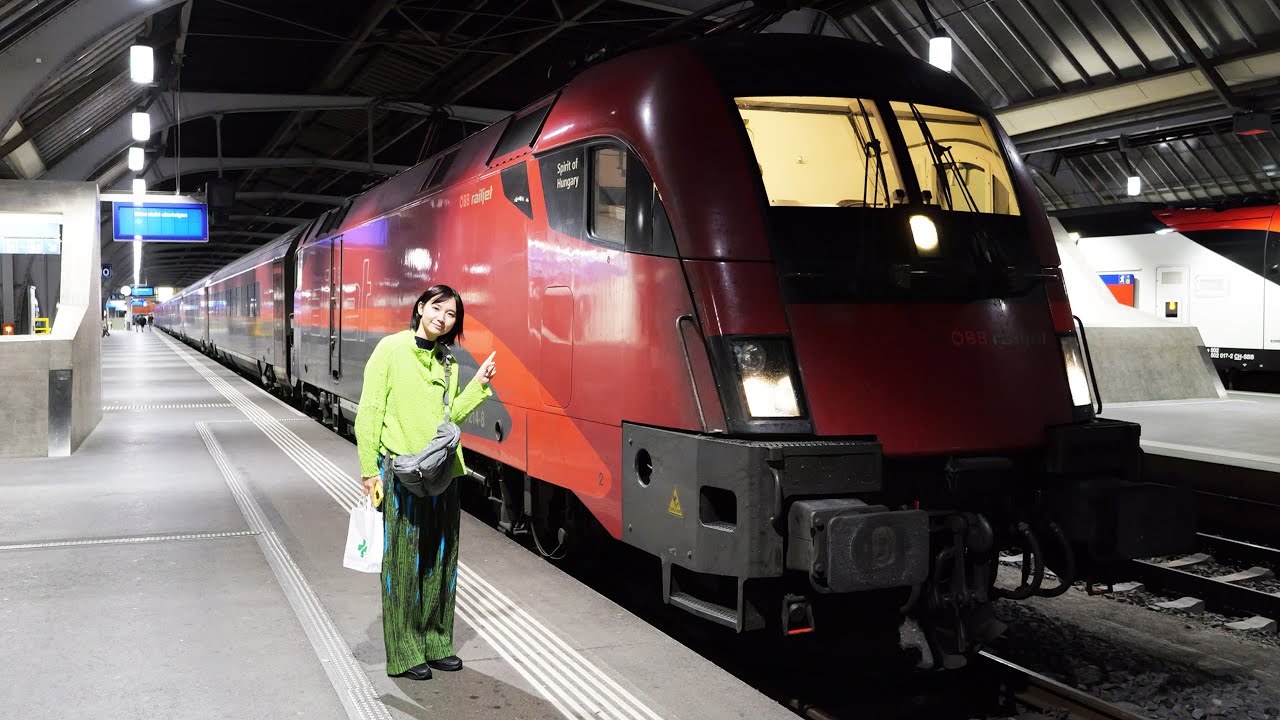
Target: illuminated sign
(142, 291)
(139, 303)
(30, 246)
(168, 222)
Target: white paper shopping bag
(364, 539)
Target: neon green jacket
(403, 401)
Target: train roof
(273, 250)
(756, 64)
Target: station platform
(1226, 450)
(186, 561)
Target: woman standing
(401, 405)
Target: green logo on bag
(364, 545)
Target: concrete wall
(1136, 357)
(34, 421)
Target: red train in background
(792, 326)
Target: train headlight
(925, 234)
(1077, 377)
(764, 370)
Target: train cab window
(956, 158)
(609, 194)
(821, 151)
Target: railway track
(1048, 695)
(1015, 692)
(1227, 593)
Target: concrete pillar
(6, 288)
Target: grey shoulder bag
(429, 472)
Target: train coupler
(846, 545)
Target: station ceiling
(300, 103)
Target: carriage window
(821, 151)
(956, 159)
(609, 194)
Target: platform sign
(106, 271)
(142, 291)
(1121, 286)
(165, 222)
(1118, 278)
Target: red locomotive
(783, 311)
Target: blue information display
(168, 222)
(142, 291)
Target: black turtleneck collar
(423, 343)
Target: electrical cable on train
(795, 328)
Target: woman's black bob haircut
(433, 294)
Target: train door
(1171, 293)
(1271, 287)
(276, 356)
(334, 276)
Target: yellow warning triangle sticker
(674, 506)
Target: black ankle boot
(449, 664)
(417, 672)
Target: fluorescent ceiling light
(136, 158)
(142, 65)
(139, 186)
(141, 126)
(940, 53)
(1135, 185)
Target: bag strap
(448, 364)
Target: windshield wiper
(940, 155)
(871, 147)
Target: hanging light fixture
(1133, 186)
(139, 187)
(939, 43)
(142, 64)
(136, 158)
(940, 52)
(141, 126)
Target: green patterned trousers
(419, 574)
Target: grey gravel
(1154, 687)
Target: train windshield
(821, 151)
(956, 159)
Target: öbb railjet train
(781, 311)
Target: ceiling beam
(271, 219)
(91, 85)
(165, 168)
(112, 139)
(37, 57)
(298, 197)
(473, 82)
(245, 233)
(1197, 56)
